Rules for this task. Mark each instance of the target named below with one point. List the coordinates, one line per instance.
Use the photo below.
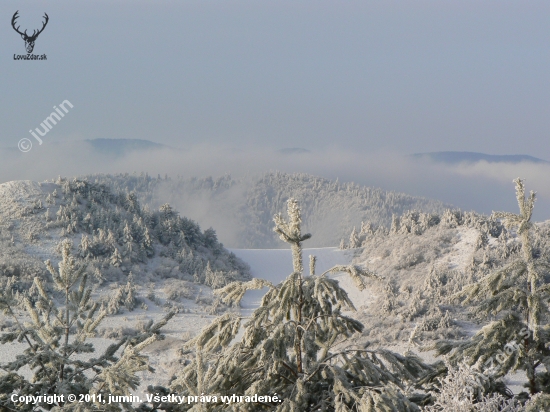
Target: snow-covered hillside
(242, 210)
(111, 233)
(422, 261)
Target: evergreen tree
(366, 229)
(147, 244)
(130, 250)
(457, 393)
(56, 336)
(210, 238)
(110, 242)
(294, 346)
(132, 203)
(517, 296)
(116, 258)
(354, 239)
(85, 247)
(342, 245)
(394, 228)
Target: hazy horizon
(359, 84)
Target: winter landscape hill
(145, 265)
(242, 209)
(110, 229)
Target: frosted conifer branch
(234, 292)
(218, 334)
(121, 376)
(312, 261)
(357, 274)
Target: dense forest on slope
(110, 231)
(242, 209)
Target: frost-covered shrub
(118, 332)
(460, 391)
(57, 351)
(124, 295)
(176, 289)
(151, 295)
(409, 260)
(539, 402)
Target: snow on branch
(234, 292)
(357, 273)
(218, 334)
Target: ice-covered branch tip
(526, 205)
(357, 274)
(312, 263)
(234, 292)
(290, 232)
(68, 272)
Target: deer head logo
(29, 40)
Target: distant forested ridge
(242, 209)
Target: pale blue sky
(405, 76)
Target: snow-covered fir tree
(516, 296)
(116, 258)
(296, 345)
(58, 353)
(354, 239)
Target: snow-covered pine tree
(132, 203)
(366, 229)
(110, 243)
(85, 247)
(517, 295)
(56, 337)
(354, 239)
(342, 245)
(482, 240)
(296, 345)
(146, 248)
(48, 215)
(116, 258)
(128, 242)
(124, 295)
(394, 228)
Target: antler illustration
(29, 40)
